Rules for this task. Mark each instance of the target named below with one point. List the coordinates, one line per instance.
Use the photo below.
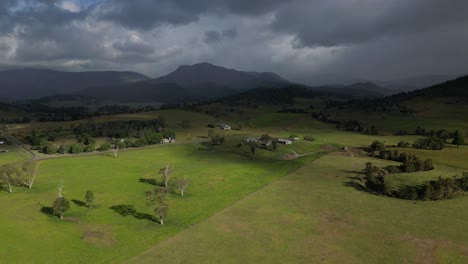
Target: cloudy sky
(303, 40)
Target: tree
(89, 198)
(157, 198)
(115, 150)
(253, 146)
(8, 175)
(181, 185)
(61, 149)
(28, 173)
(377, 146)
(274, 145)
(369, 171)
(76, 148)
(60, 206)
(165, 174)
(458, 139)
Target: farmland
(244, 206)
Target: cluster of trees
(440, 189)
(410, 163)
(274, 96)
(157, 198)
(22, 175)
(346, 125)
(385, 105)
(133, 134)
(432, 143)
(121, 129)
(436, 140)
(61, 204)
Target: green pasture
(322, 214)
(101, 234)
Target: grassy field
(450, 155)
(237, 208)
(320, 214)
(11, 156)
(101, 234)
(433, 114)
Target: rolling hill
(33, 83)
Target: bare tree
(115, 150)
(7, 176)
(181, 185)
(165, 174)
(60, 188)
(28, 173)
(157, 198)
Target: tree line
(410, 163)
(346, 125)
(121, 134)
(440, 189)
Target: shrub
(105, 146)
(402, 144)
(309, 138)
(377, 146)
(76, 148)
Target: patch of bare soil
(72, 219)
(427, 248)
(98, 235)
(294, 155)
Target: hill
(195, 82)
(357, 90)
(416, 82)
(441, 106)
(456, 88)
(33, 83)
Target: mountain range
(33, 83)
(195, 82)
(187, 83)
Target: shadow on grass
(356, 178)
(79, 203)
(149, 181)
(356, 186)
(129, 210)
(47, 210)
(354, 172)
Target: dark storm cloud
(212, 37)
(129, 46)
(230, 33)
(361, 38)
(146, 14)
(330, 23)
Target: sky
(308, 41)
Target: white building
(284, 141)
(225, 127)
